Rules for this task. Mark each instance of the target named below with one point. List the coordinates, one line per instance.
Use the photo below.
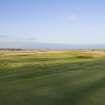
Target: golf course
(50, 77)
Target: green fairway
(51, 78)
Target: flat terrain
(75, 77)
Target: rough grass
(51, 78)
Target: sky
(76, 22)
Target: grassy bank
(52, 78)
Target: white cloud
(72, 18)
(4, 38)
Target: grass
(51, 78)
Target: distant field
(48, 77)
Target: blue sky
(52, 21)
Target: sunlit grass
(66, 77)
